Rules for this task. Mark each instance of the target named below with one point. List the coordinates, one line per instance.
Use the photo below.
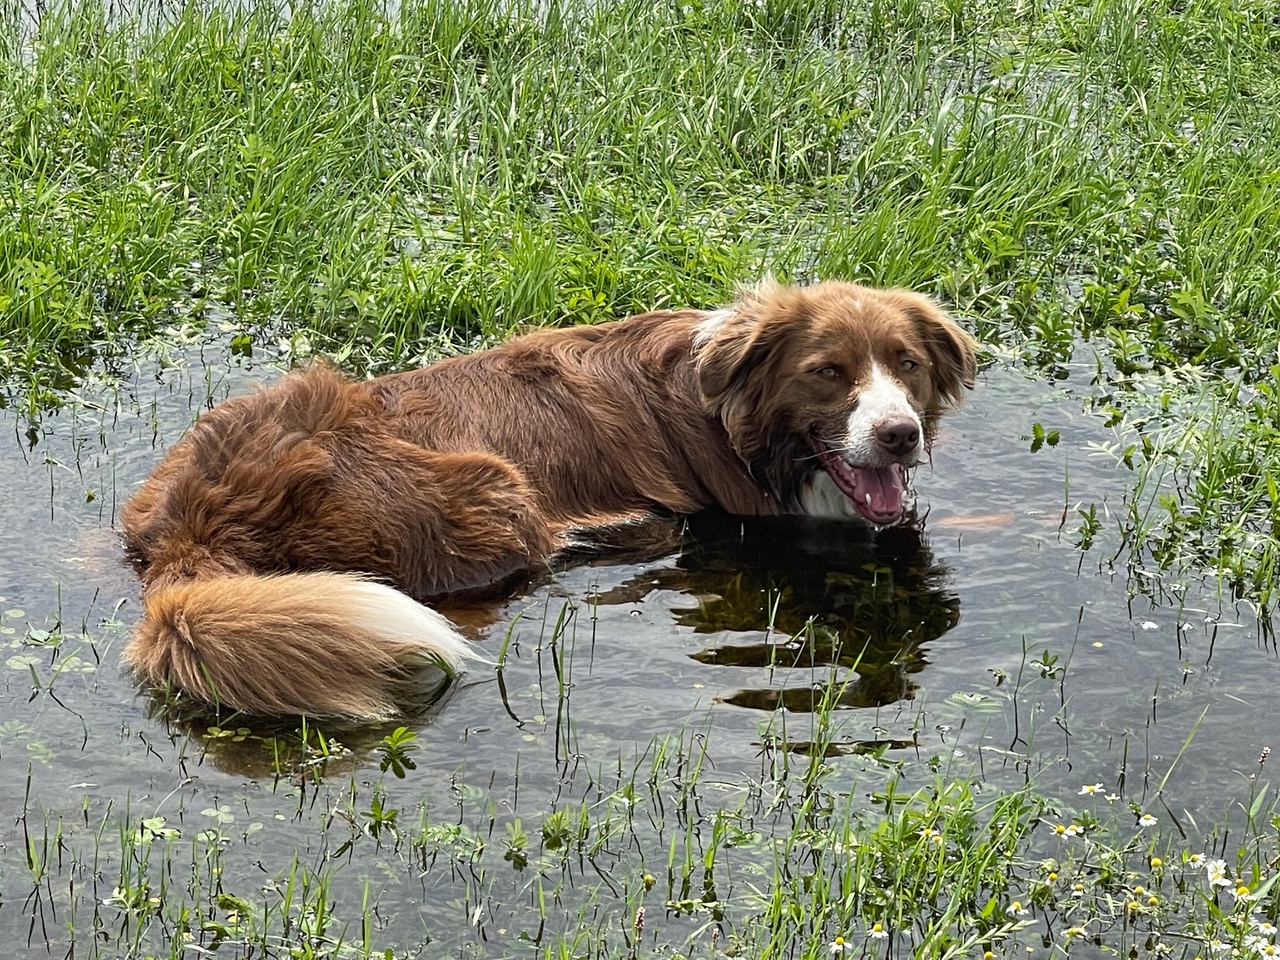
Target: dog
(288, 544)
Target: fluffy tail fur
(321, 644)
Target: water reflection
(807, 612)
(816, 594)
(295, 748)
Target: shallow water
(708, 650)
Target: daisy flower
(1216, 873)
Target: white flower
(839, 945)
(930, 834)
(1216, 873)
(1263, 927)
(877, 932)
(1089, 789)
(1146, 820)
(1017, 909)
(1149, 625)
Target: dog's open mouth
(876, 492)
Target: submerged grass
(655, 855)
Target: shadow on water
(821, 593)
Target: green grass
(657, 855)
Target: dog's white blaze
(882, 397)
(388, 613)
(709, 324)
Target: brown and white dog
(287, 543)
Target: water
(708, 645)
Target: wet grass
(654, 853)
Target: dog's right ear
(731, 342)
(723, 355)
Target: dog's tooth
(868, 498)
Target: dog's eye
(909, 364)
(831, 372)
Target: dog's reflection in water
(821, 612)
(791, 597)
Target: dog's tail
(321, 644)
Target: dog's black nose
(898, 435)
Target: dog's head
(834, 384)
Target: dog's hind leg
(434, 524)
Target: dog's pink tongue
(880, 489)
(877, 492)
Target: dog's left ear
(953, 352)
